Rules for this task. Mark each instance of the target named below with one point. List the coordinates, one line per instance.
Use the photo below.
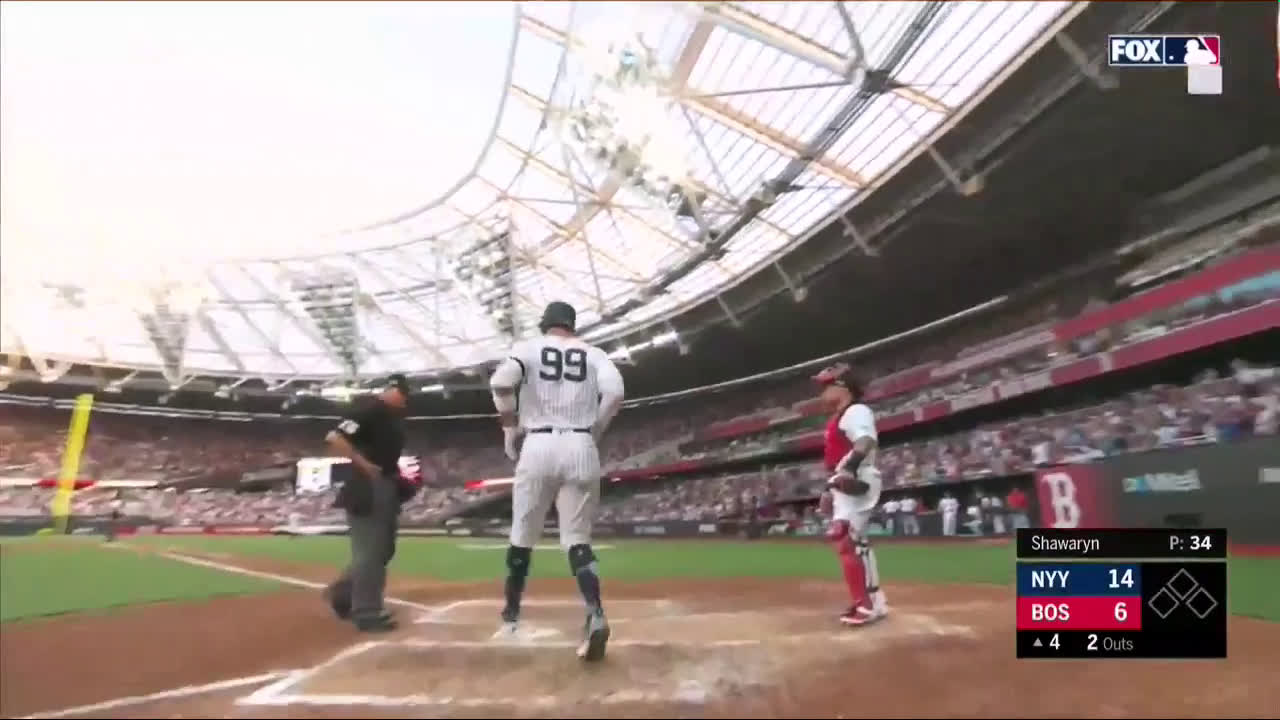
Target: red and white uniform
(851, 513)
(843, 430)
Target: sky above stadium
(234, 129)
(203, 159)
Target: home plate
(524, 633)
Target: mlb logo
(1192, 50)
(1164, 50)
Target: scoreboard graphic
(1200, 54)
(1163, 50)
(1137, 593)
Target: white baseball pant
(948, 523)
(856, 510)
(562, 467)
(911, 524)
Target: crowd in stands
(121, 446)
(199, 507)
(728, 495)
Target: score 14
(1121, 579)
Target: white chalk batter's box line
(274, 686)
(440, 614)
(277, 693)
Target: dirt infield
(686, 649)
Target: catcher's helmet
(559, 314)
(842, 374)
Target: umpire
(372, 437)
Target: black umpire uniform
(373, 436)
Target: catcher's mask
(559, 314)
(840, 375)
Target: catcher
(849, 454)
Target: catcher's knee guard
(581, 557)
(518, 561)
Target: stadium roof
(645, 157)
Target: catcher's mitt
(848, 484)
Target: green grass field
(54, 576)
(51, 576)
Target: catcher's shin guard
(855, 575)
(518, 559)
(872, 572)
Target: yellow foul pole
(61, 506)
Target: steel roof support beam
(748, 24)
(211, 329)
(432, 315)
(739, 122)
(554, 226)
(967, 187)
(511, 229)
(856, 238)
(798, 294)
(306, 328)
(169, 341)
(271, 345)
(445, 269)
(119, 383)
(728, 312)
(855, 41)
(680, 76)
(398, 321)
(614, 211)
(559, 176)
(1090, 68)
(681, 344)
(48, 370)
(613, 181)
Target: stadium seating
(717, 426)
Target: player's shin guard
(582, 563)
(855, 576)
(872, 573)
(518, 559)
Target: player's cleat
(508, 630)
(380, 623)
(860, 615)
(338, 596)
(595, 637)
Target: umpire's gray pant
(373, 544)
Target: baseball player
(890, 509)
(910, 523)
(568, 391)
(949, 506)
(849, 453)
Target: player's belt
(543, 430)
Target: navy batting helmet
(559, 314)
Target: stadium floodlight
(665, 338)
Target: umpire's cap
(399, 382)
(559, 314)
(842, 374)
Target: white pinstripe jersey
(562, 379)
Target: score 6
(1121, 611)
